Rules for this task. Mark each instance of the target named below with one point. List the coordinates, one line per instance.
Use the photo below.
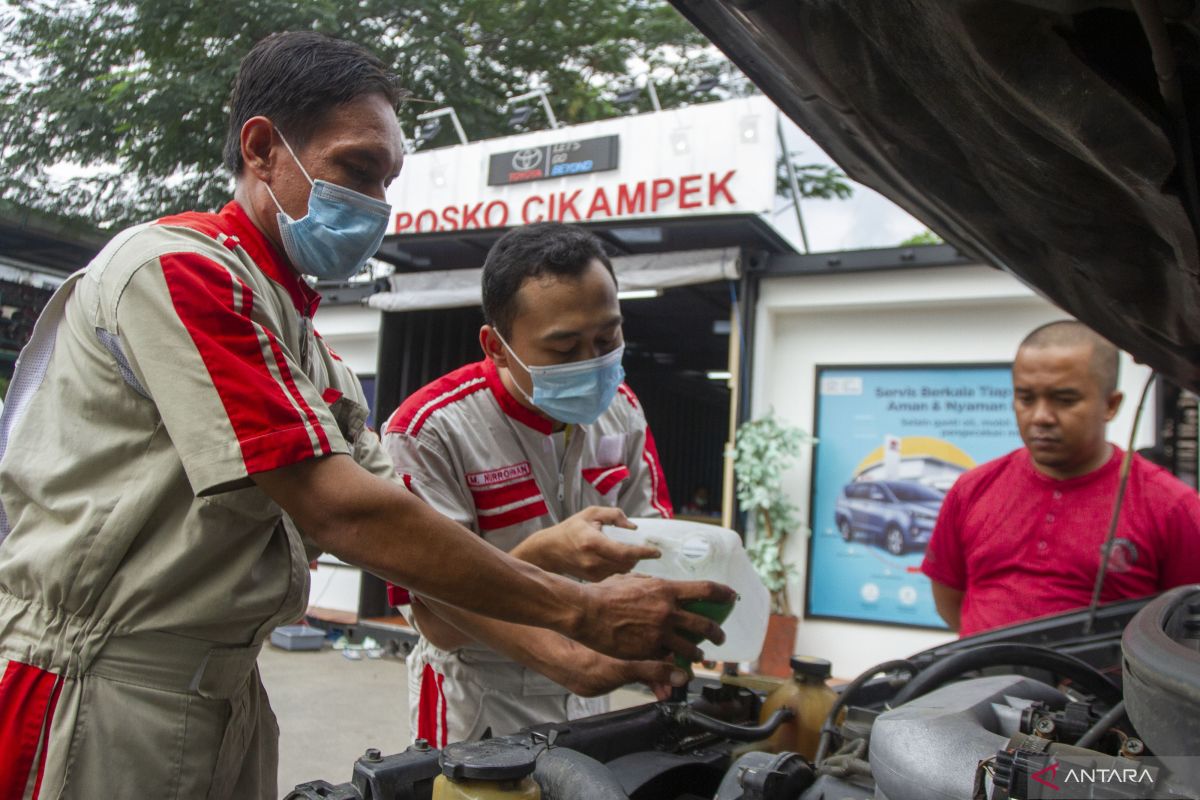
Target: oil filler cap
(489, 760)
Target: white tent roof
(454, 288)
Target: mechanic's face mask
(341, 230)
(576, 393)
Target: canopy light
(520, 116)
(432, 124)
(719, 374)
(627, 96)
(639, 294)
(429, 130)
(522, 113)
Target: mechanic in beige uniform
(533, 463)
(172, 427)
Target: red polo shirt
(1020, 544)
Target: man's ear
(1113, 405)
(492, 348)
(258, 147)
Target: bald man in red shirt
(1021, 536)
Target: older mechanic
(175, 423)
(533, 448)
(1021, 536)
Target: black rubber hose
(729, 730)
(565, 774)
(1008, 654)
(1097, 731)
(848, 692)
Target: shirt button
(1049, 518)
(1057, 494)
(1042, 547)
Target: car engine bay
(1040, 709)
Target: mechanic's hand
(637, 617)
(580, 549)
(603, 674)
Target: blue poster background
(891, 441)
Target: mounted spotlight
(520, 116)
(706, 85)
(522, 113)
(429, 130)
(627, 96)
(630, 95)
(432, 124)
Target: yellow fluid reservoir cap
(813, 667)
(489, 760)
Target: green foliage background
(131, 96)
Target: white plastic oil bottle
(695, 551)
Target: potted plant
(763, 449)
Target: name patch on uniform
(501, 475)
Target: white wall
(935, 315)
(353, 333)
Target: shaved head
(1104, 360)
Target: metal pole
(653, 94)
(462, 135)
(793, 181)
(549, 111)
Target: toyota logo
(526, 159)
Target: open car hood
(1035, 136)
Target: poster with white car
(891, 442)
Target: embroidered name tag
(497, 476)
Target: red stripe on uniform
(441, 684)
(660, 498)
(415, 404)
(517, 515)
(426, 412)
(227, 341)
(628, 394)
(41, 767)
(286, 373)
(427, 711)
(398, 595)
(25, 703)
(487, 499)
(605, 478)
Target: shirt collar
(510, 405)
(1104, 470)
(267, 257)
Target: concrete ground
(331, 709)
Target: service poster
(891, 442)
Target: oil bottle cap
(811, 667)
(489, 760)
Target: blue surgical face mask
(341, 230)
(576, 393)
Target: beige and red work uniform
(469, 449)
(141, 567)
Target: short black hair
(1105, 360)
(544, 248)
(294, 79)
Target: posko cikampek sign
(711, 190)
(714, 158)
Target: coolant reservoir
(694, 551)
(496, 769)
(808, 695)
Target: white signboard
(714, 158)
